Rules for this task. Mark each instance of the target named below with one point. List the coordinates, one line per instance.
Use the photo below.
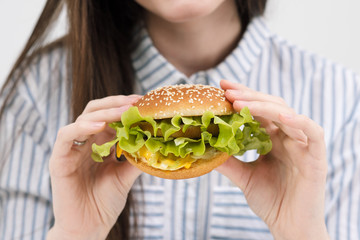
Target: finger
(236, 91)
(278, 130)
(104, 115)
(111, 102)
(272, 111)
(66, 158)
(78, 130)
(226, 84)
(237, 171)
(251, 95)
(268, 110)
(263, 121)
(314, 132)
(295, 134)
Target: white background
(330, 28)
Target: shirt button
(201, 78)
(182, 81)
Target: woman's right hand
(88, 196)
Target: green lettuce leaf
(237, 133)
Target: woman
(117, 48)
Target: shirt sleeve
(25, 199)
(343, 184)
(32, 117)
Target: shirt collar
(152, 70)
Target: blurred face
(180, 10)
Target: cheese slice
(170, 162)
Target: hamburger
(183, 131)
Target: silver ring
(79, 143)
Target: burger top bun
(186, 100)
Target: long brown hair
(99, 45)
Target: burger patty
(193, 132)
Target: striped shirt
(207, 207)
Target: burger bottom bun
(198, 168)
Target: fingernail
(287, 116)
(134, 98)
(98, 124)
(123, 108)
(234, 92)
(302, 140)
(241, 104)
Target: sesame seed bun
(186, 100)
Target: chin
(178, 11)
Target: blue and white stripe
(208, 207)
(25, 211)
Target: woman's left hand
(286, 187)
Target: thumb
(237, 171)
